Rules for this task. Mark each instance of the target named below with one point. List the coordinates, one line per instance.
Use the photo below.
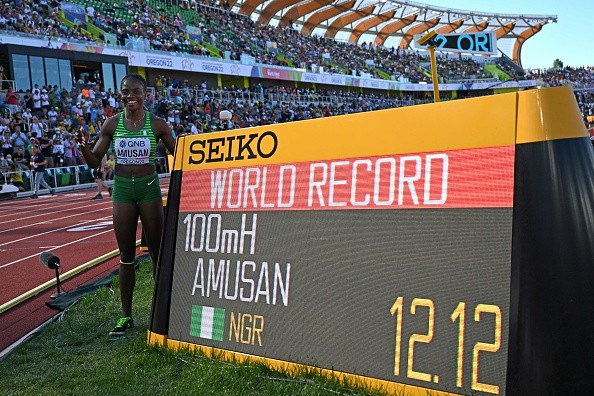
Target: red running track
(69, 225)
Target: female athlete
(132, 136)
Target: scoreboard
(377, 246)
(480, 43)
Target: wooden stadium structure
(391, 23)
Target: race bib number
(132, 151)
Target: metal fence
(183, 94)
(66, 176)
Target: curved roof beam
(273, 7)
(370, 23)
(522, 37)
(302, 9)
(232, 3)
(450, 27)
(418, 29)
(477, 28)
(503, 30)
(346, 19)
(393, 27)
(318, 17)
(249, 6)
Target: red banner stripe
(471, 178)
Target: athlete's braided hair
(136, 77)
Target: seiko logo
(233, 148)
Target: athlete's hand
(82, 137)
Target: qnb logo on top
(233, 148)
(133, 150)
(133, 147)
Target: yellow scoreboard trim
(548, 114)
(482, 122)
(295, 368)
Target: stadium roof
(391, 22)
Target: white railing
(67, 175)
(274, 98)
(473, 80)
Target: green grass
(75, 356)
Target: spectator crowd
(577, 77)
(207, 31)
(48, 117)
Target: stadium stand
(38, 18)
(49, 116)
(219, 33)
(581, 77)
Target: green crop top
(134, 148)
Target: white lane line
(59, 218)
(57, 229)
(57, 247)
(72, 200)
(10, 210)
(58, 200)
(57, 211)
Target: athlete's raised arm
(94, 156)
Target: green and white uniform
(135, 148)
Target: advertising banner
(189, 63)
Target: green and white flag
(207, 322)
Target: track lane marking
(21, 204)
(58, 198)
(16, 210)
(57, 247)
(104, 218)
(57, 211)
(48, 220)
(68, 274)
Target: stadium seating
(214, 32)
(195, 109)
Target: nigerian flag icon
(207, 322)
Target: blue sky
(570, 39)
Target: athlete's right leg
(125, 221)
